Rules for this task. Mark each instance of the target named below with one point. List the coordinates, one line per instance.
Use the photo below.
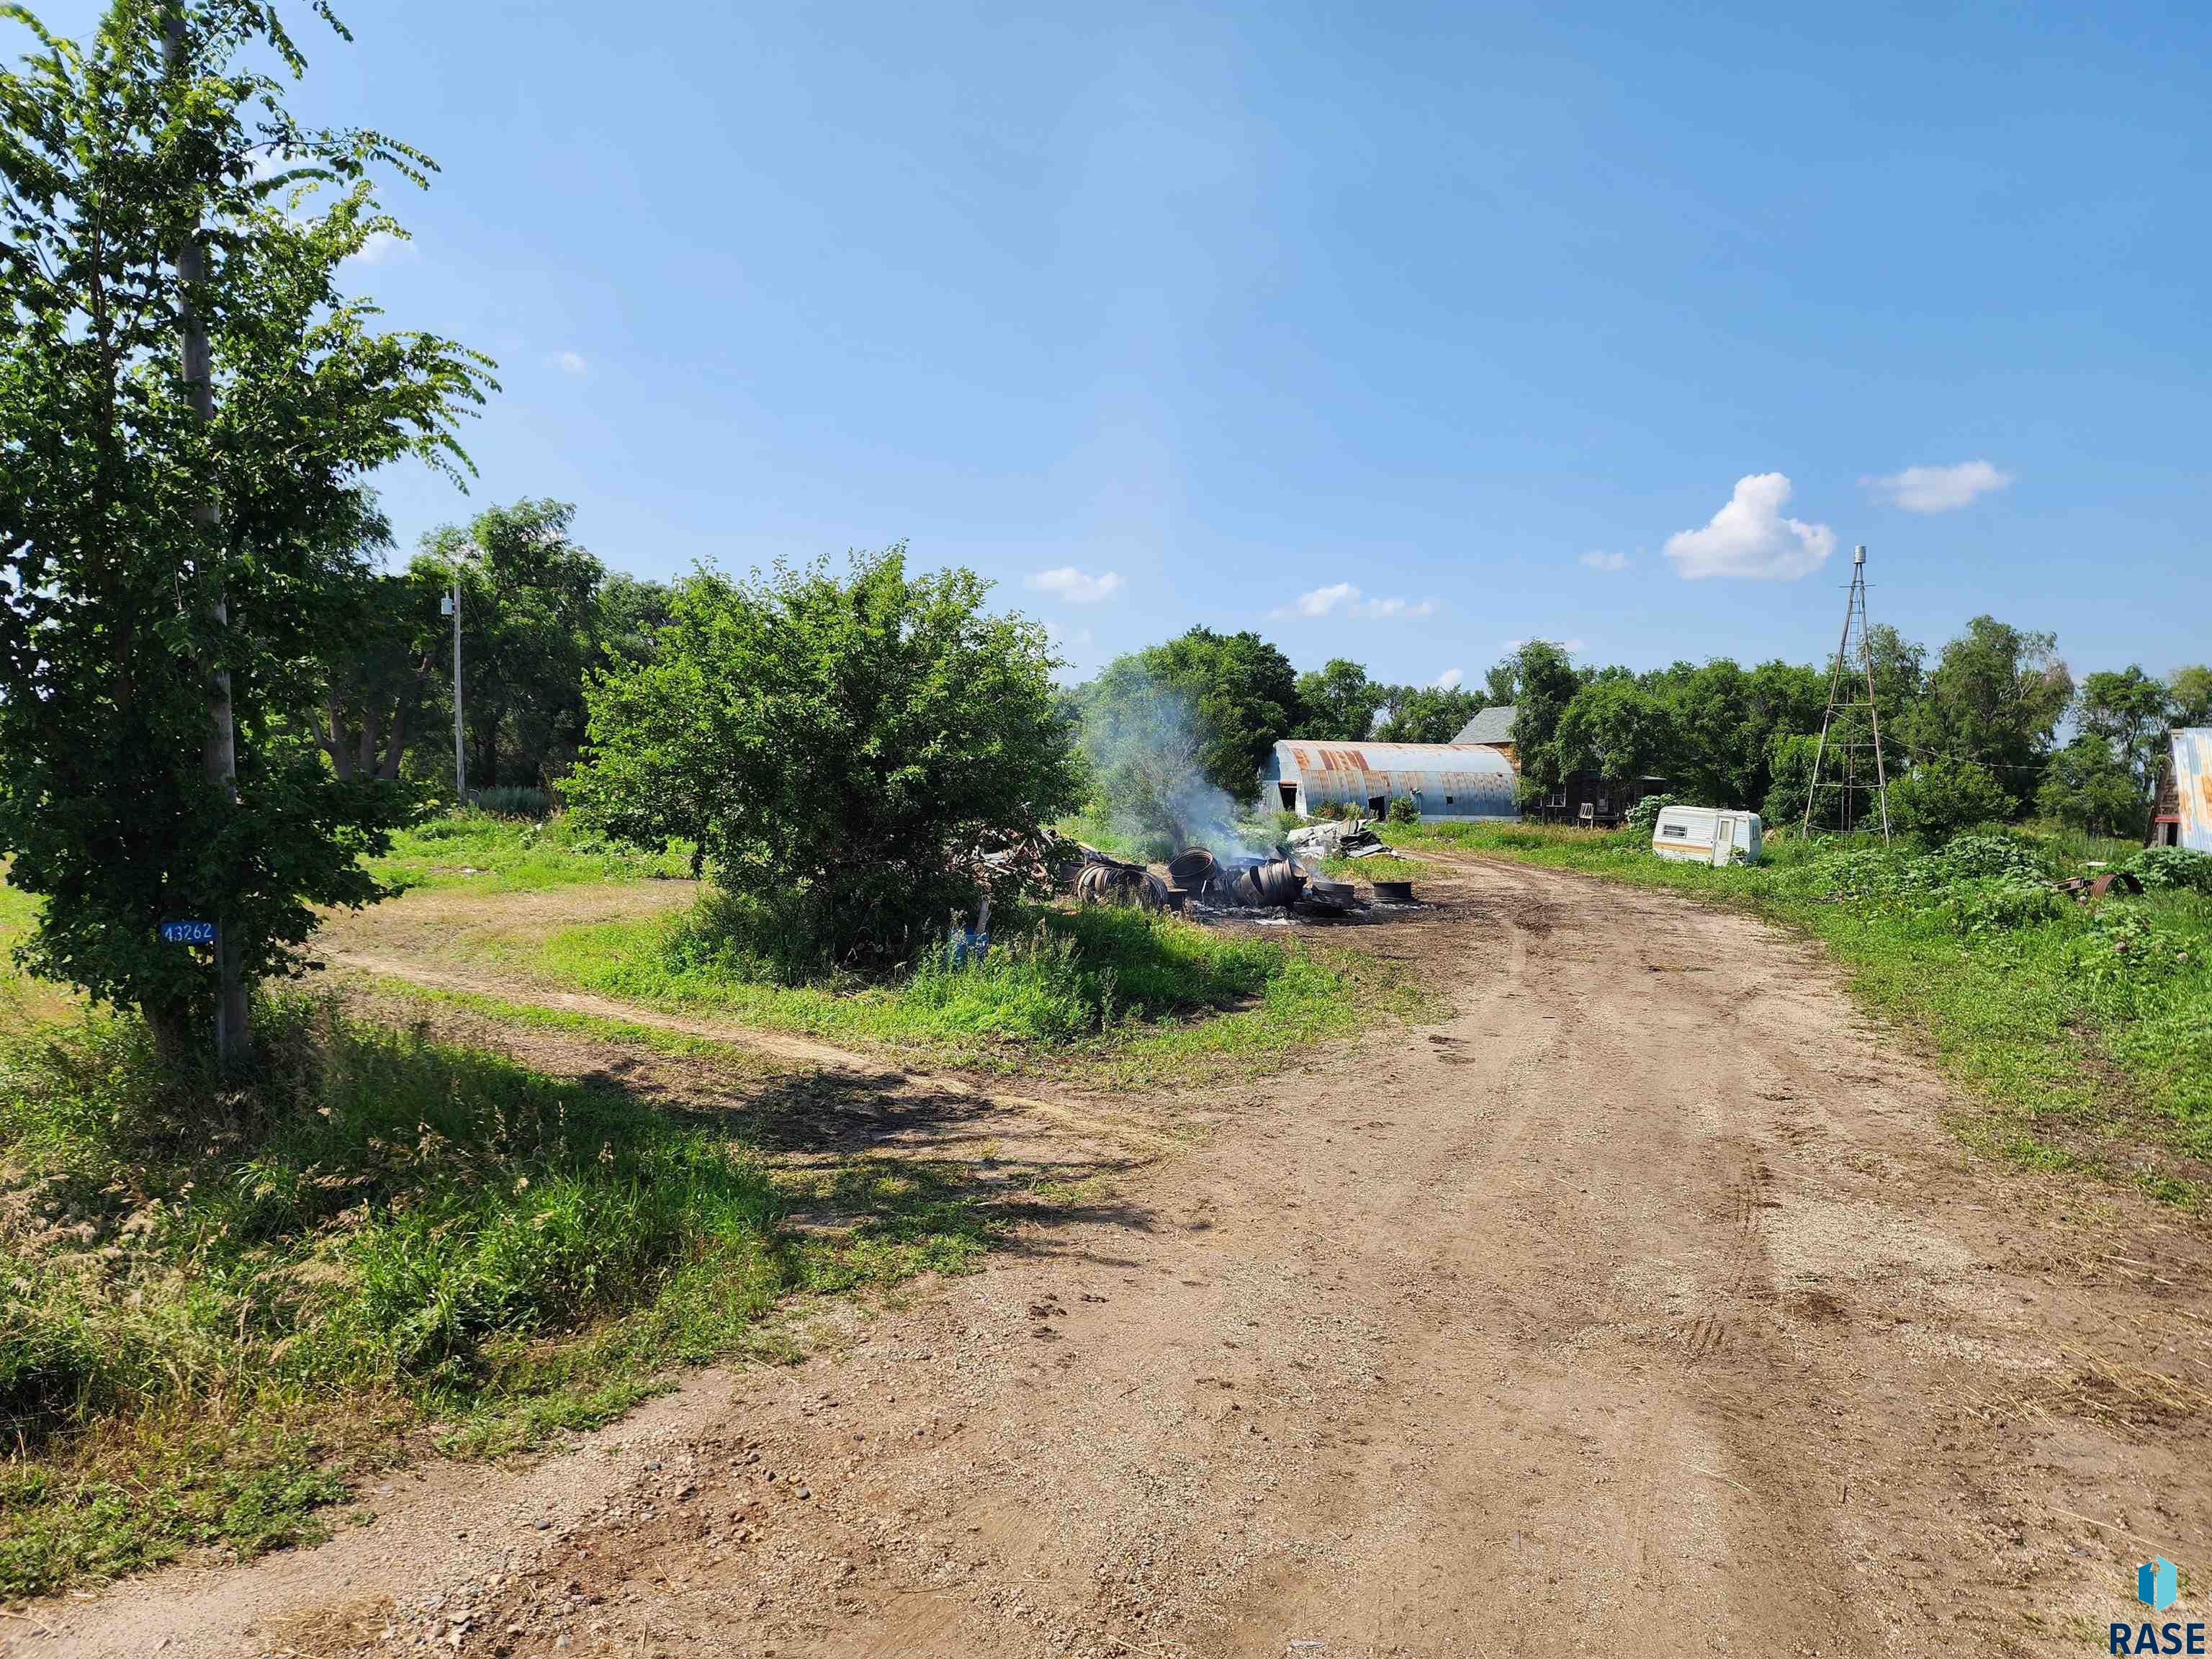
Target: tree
(383, 678)
(1938, 798)
(2190, 691)
(1427, 714)
(1545, 682)
(1615, 728)
(2089, 786)
(2131, 710)
(1338, 702)
(843, 753)
(530, 615)
(1241, 693)
(631, 614)
(175, 553)
(1996, 698)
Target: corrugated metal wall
(2192, 785)
(1444, 779)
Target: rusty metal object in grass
(2087, 890)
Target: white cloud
(378, 247)
(1076, 586)
(1323, 601)
(1449, 680)
(1379, 608)
(1938, 488)
(1599, 561)
(1750, 538)
(570, 363)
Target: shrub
(1968, 858)
(843, 750)
(2164, 868)
(1939, 798)
(1644, 815)
(512, 801)
(1403, 811)
(1994, 904)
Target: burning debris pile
(1201, 882)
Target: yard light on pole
(451, 606)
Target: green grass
(217, 1313)
(1146, 997)
(2084, 1034)
(506, 854)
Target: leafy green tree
(1544, 683)
(188, 408)
(2089, 786)
(530, 617)
(1940, 797)
(1427, 714)
(1615, 728)
(1996, 698)
(384, 686)
(843, 753)
(1338, 702)
(2131, 710)
(632, 611)
(2189, 689)
(1241, 694)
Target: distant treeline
(1972, 737)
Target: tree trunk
(219, 753)
(335, 743)
(364, 762)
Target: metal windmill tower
(1845, 744)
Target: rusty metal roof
(1439, 757)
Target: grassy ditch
(2085, 1032)
(217, 1313)
(1131, 997)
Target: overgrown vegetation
(504, 855)
(1155, 996)
(846, 754)
(2085, 1032)
(206, 1334)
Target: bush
(1938, 798)
(2169, 868)
(844, 751)
(1994, 904)
(1644, 817)
(1403, 811)
(512, 801)
(1971, 858)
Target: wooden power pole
(219, 752)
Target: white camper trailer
(1705, 835)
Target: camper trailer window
(1676, 831)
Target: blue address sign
(188, 933)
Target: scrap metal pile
(1199, 879)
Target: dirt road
(1643, 1306)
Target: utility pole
(460, 762)
(219, 752)
(1845, 700)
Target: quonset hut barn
(1443, 780)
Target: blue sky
(1481, 311)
